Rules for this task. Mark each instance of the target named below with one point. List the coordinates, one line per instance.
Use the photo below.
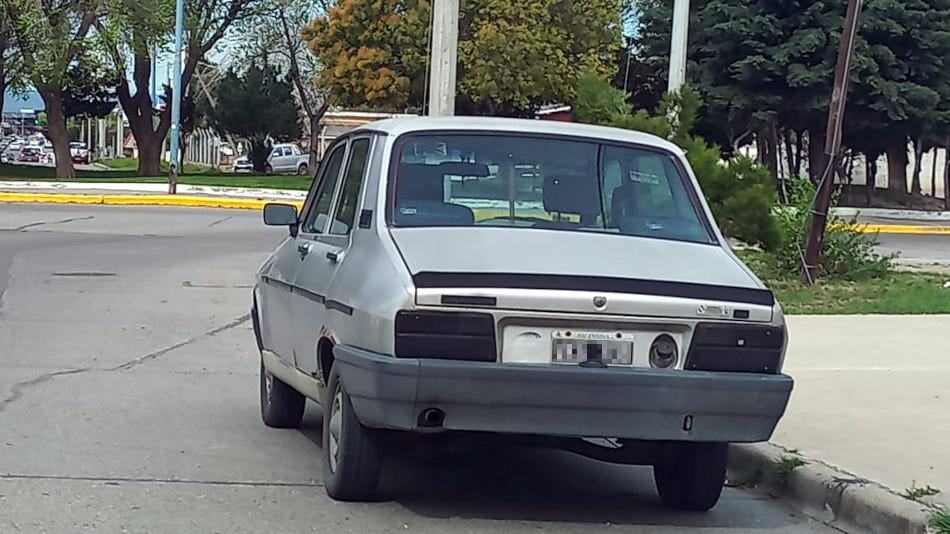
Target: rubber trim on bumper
(564, 400)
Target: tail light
(446, 335)
(737, 348)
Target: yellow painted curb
(142, 200)
(903, 229)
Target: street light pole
(678, 42)
(176, 96)
(445, 33)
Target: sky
(13, 103)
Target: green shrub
(740, 192)
(847, 253)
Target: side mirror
(281, 215)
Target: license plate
(611, 348)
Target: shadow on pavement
(501, 481)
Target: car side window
(350, 192)
(320, 211)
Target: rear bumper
(571, 401)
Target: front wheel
(268, 169)
(281, 405)
(302, 169)
(691, 476)
(351, 452)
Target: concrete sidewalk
(872, 397)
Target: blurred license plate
(611, 348)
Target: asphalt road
(917, 248)
(129, 403)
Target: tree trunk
(933, 174)
(59, 135)
(871, 177)
(817, 159)
(789, 155)
(946, 176)
(765, 141)
(315, 119)
(897, 167)
(314, 141)
(799, 149)
(918, 161)
(150, 152)
(148, 137)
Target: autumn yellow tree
(513, 56)
(372, 52)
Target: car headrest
(419, 182)
(578, 195)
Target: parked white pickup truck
(286, 159)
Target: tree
(88, 91)
(273, 35)
(766, 67)
(372, 53)
(11, 65)
(541, 47)
(513, 56)
(49, 36)
(738, 191)
(258, 106)
(134, 28)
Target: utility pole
(445, 36)
(680, 36)
(839, 102)
(154, 77)
(176, 98)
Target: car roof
(403, 125)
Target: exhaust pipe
(431, 417)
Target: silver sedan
(432, 285)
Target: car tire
(351, 452)
(692, 475)
(268, 169)
(281, 405)
(302, 169)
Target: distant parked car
(286, 159)
(79, 152)
(30, 154)
(12, 151)
(243, 164)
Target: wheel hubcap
(335, 429)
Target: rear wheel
(351, 451)
(281, 405)
(692, 475)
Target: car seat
(420, 199)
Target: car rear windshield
(549, 183)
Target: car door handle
(303, 248)
(333, 256)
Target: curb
(150, 188)
(885, 213)
(903, 229)
(140, 200)
(828, 494)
